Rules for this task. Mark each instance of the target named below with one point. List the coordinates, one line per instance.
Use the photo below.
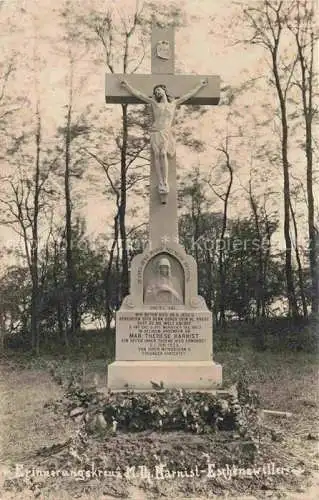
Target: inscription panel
(171, 335)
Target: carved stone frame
(191, 298)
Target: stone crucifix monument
(163, 328)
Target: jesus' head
(160, 92)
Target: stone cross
(164, 331)
(194, 89)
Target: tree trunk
(60, 304)
(209, 293)
(266, 260)
(300, 271)
(291, 295)
(307, 76)
(122, 210)
(118, 296)
(34, 242)
(221, 268)
(260, 273)
(108, 280)
(71, 285)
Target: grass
(25, 424)
(286, 380)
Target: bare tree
(26, 197)
(224, 197)
(68, 204)
(260, 292)
(301, 25)
(107, 32)
(267, 21)
(24, 201)
(73, 48)
(114, 187)
(195, 229)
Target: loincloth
(163, 140)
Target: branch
(8, 112)
(141, 58)
(134, 156)
(106, 26)
(5, 78)
(131, 182)
(49, 170)
(136, 228)
(220, 196)
(106, 168)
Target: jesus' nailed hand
(161, 133)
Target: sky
(206, 45)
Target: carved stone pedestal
(148, 375)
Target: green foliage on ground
(168, 410)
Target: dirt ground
(27, 425)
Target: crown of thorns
(163, 86)
(160, 86)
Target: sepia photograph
(159, 240)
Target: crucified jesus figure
(161, 134)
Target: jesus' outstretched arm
(191, 93)
(136, 92)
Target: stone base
(139, 375)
